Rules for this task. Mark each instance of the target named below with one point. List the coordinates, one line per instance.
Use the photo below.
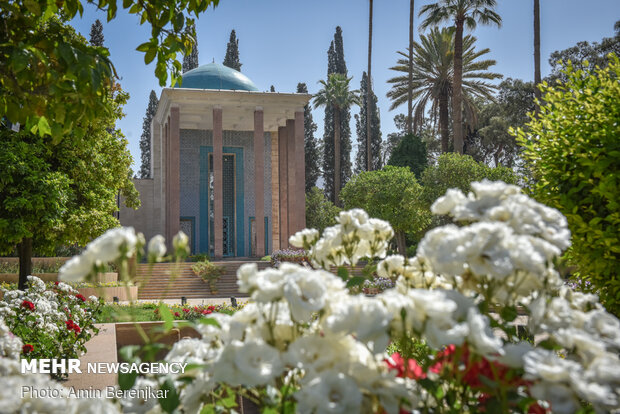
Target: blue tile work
(192, 169)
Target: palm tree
(463, 13)
(432, 79)
(336, 92)
(409, 95)
(537, 79)
(369, 94)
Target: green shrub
(200, 257)
(209, 272)
(392, 194)
(573, 151)
(320, 212)
(410, 152)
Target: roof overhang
(196, 108)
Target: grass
(147, 312)
(123, 313)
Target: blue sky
(283, 42)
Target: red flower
(77, 329)
(56, 283)
(396, 362)
(206, 311)
(81, 297)
(72, 326)
(69, 324)
(185, 310)
(28, 305)
(26, 349)
(177, 314)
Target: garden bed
(107, 277)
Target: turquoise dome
(216, 76)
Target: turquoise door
(233, 202)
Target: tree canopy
(311, 146)
(232, 52)
(145, 138)
(411, 153)
(573, 151)
(53, 83)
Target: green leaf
(44, 127)
(509, 313)
(126, 381)
(166, 316)
(150, 55)
(144, 47)
(355, 281)
(343, 273)
(171, 401)
(209, 321)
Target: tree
(145, 139)
(320, 212)
(190, 61)
(362, 125)
(311, 148)
(232, 52)
(410, 153)
(370, 97)
(96, 33)
(454, 170)
(584, 56)
(410, 72)
(573, 152)
(392, 194)
(537, 79)
(490, 142)
(63, 193)
(433, 79)
(337, 94)
(463, 13)
(273, 88)
(336, 64)
(50, 81)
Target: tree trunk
(401, 243)
(410, 83)
(444, 122)
(337, 156)
(537, 79)
(25, 262)
(457, 112)
(368, 96)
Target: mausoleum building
(227, 166)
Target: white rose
(248, 363)
(304, 238)
(77, 268)
(481, 336)
(305, 291)
(157, 248)
(180, 242)
(546, 365)
(332, 392)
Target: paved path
(101, 348)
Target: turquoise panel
(204, 198)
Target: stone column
(301, 170)
(259, 180)
(175, 171)
(218, 180)
(283, 178)
(167, 180)
(293, 222)
(275, 192)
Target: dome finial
(213, 60)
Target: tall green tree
(311, 147)
(145, 138)
(190, 60)
(463, 13)
(392, 194)
(573, 151)
(320, 212)
(362, 125)
(232, 52)
(50, 81)
(410, 72)
(336, 64)
(537, 78)
(369, 95)
(96, 33)
(433, 81)
(337, 94)
(411, 153)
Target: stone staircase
(173, 281)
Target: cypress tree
(336, 64)
(145, 139)
(96, 33)
(361, 159)
(311, 149)
(410, 152)
(232, 52)
(273, 88)
(190, 61)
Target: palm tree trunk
(444, 122)
(368, 95)
(337, 156)
(537, 79)
(410, 84)
(457, 112)
(25, 262)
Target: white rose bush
(480, 319)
